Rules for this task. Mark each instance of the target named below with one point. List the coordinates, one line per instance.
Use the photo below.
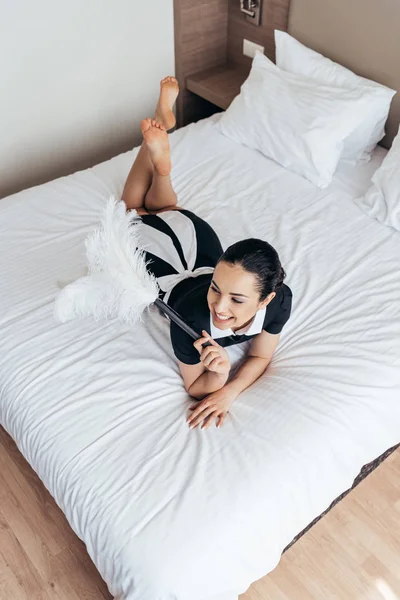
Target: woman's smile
(221, 319)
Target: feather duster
(117, 285)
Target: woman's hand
(213, 408)
(214, 357)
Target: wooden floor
(353, 553)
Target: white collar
(255, 327)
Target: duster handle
(173, 315)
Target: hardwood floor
(40, 556)
(353, 553)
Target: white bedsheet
(99, 410)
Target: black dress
(182, 251)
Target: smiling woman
(230, 297)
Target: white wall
(76, 78)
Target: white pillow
(382, 200)
(297, 122)
(293, 57)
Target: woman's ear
(266, 300)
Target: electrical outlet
(250, 48)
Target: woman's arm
(216, 405)
(260, 354)
(199, 382)
(211, 373)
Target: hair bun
(260, 258)
(281, 277)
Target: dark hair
(261, 259)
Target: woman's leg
(139, 180)
(141, 174)
(161, 194)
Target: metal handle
(247, 11)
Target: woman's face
(233, 298)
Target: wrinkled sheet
(98, 409)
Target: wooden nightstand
(218, 85)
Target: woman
(230, 297)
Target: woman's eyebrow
(230, 293)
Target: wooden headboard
(363, 35)
(210, 33)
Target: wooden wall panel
(209, 33)
(274, 15)
(201, 29)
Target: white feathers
(118, 284)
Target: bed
(98, 409)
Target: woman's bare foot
(169, 90)
(157, 142)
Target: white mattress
(99, 410)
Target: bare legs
(148, 184)
(139, 180)
(161, 193)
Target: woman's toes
(145, 124)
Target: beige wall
(76, 78)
